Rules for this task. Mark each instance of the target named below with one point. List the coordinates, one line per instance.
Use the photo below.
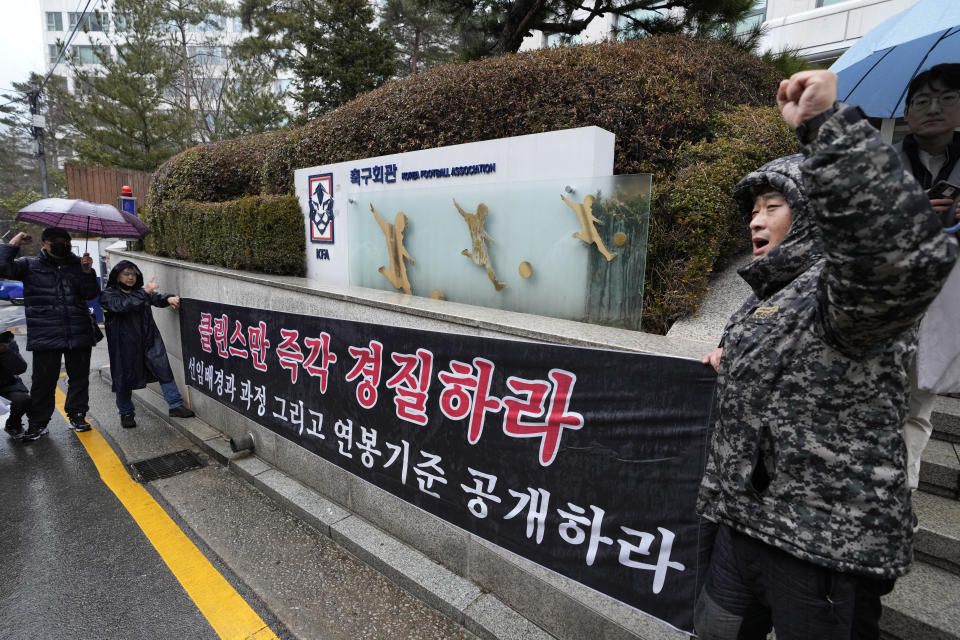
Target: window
(281, 86)
(827, 3)
(237, 25)
(89, 22)
(209, 88)
(210, 23)
(83, 89)
(84, 54)
(58, 82)
(563, 40)
(626, 26)
(207, 55)
(54, 21)
(52, 52)
(756, 16)
(119, 22)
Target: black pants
(751, 587)
(19, 403)
(46, 372)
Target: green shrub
(665, 98)
(215, 172)
(256, 233)
(653, 94)
(695, 224)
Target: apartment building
(208, 43)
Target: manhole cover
(165, 466)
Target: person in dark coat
(12, 388)
(56, 287)
(137, 353)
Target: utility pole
(36, 128)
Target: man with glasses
(932, 147)
(932, 153)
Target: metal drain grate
(165, 466)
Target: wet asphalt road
(73, 562)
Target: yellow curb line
(226, 611)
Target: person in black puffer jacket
(12, 388)
(56, 287)
(137, 353)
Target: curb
(455, 597)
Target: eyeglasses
(946, 99)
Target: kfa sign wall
(326, 192)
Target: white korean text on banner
(584, 461)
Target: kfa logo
(321, 208)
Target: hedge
(256, 233)
(695, 224)
(664, 98)
(215, 172)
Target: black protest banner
(584, 461)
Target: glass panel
(52, 52)
(827, 3)
(89, 22)
(206, 55)
(54, 21)
(208, 24)
(528, 236)
(84, 54)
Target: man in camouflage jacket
(805, 473)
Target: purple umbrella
(102, 220)
(140, 228)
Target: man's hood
(112, 280)
(801, 247)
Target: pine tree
(424, 32)
(19, 163)
(164, 81)
(250, 105)
(493, 27)
(334, 48)
(121, 110)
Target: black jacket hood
(112, 280)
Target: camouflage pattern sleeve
(886, 256)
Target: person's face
(769, 223)
(928, 116)
(127, 277)
(57, 246)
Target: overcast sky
(21, 41)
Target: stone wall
(558, 605)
